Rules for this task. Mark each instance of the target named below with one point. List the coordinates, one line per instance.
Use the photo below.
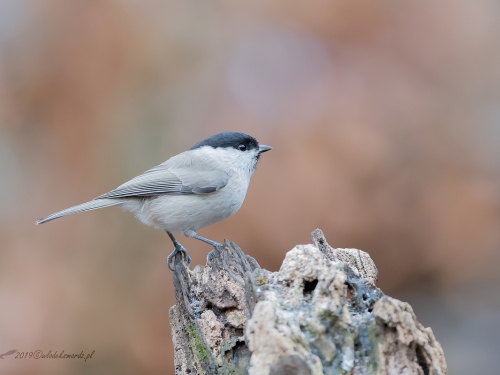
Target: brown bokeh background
(385, 122)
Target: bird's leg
(206, 240)
(178, 249)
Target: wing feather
(163, 180)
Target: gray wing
(163, 180)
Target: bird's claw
(185, 255)
(209, 257)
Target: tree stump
(320, 314)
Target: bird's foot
(178, 249)
(213, 252)
(209, 257)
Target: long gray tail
(88, 206)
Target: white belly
(185, 213)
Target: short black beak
(264, 148)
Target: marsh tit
(194, 189)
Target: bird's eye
(242, 147)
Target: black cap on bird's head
(236, 140)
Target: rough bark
(320, 314)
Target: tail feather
(88, 206)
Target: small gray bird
(194, 189)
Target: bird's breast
(181, 213)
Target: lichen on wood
(321, 313)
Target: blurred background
(384, 119)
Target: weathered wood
(320, 314)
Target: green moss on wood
(200, 349)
